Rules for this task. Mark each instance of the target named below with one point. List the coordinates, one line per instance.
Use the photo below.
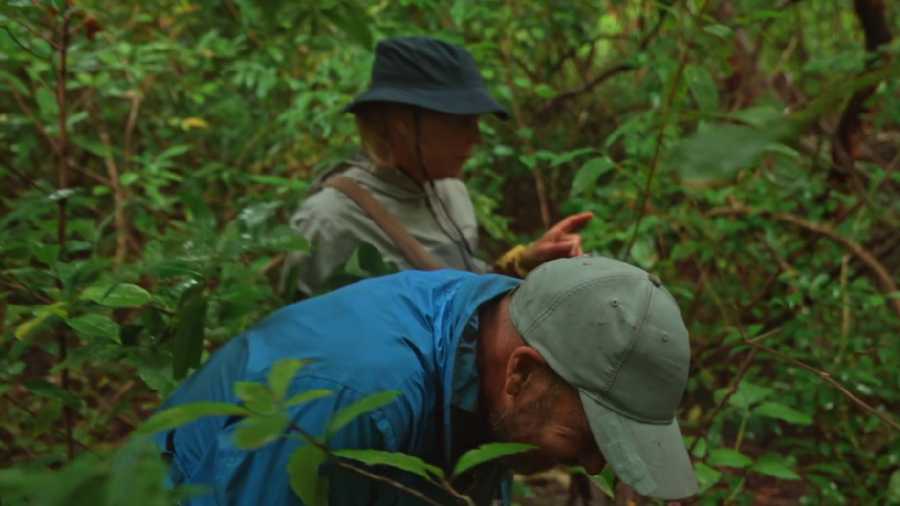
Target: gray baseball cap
(612, 331)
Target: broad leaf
(726, 457)
(747, 395)
(716, 153)
(364, 405)
(93, 326)
(187, 413)
(303, 471)
(488, 452)
(401, 461)
(893, 493)
(117, 295)
(307, 396)
(775, 465)
(706, 476)
(256, 396)
(281, 374)
(782, 412)
(190, 331)
(586, 179)
(256, 431)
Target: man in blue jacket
(586, 359)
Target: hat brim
(469, 101)
(651, 458)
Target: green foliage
(487, 452)
(364, 405)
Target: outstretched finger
(573, 223)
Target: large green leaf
(586, 178)
(717, 152)
(186, 413)
(775, 465)
(117, 295)
(190, 329)
(747, 394)
(307, 396)
(256, 396)
(409, 463)
(364, 405)
(706, 476)
(256, 431)
(486, 453)
(93, 326)
(782, 412)
(726, 457)
(303, 471)
(893, 492)
(281, 374)
(703, 87)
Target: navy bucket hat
(428, 73)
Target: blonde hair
(378, 123)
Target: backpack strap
(412, 250)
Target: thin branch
(829, 379)
(37, 123)
(657, 150)
(732, 389)
(871, 14)
(612, 70)
(34, 416)
(63, 178)
(24, 48)
(539, 185)
(119, 198)
(881, 273)
(384, 479)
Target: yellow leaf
(193, 122)
(40, 316)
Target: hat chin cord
(465, 250)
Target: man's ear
(523, 363)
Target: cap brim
(651, 458)
(469, 101)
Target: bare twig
(119, 198)
(607, 73)
(732, 389)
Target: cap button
(654, 279)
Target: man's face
(548, 414)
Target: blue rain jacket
(398, 332)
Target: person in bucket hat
(586, 360)
(418, 124)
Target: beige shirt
(335, 226)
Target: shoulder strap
(412, 250)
